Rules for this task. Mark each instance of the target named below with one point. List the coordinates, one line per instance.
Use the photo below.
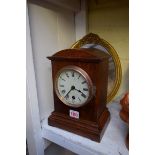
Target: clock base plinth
(89, 129)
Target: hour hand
(79, 90)
(82, 94)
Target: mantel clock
(80, 79)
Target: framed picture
(92, 40)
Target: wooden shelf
(73, 5)
(112, 143)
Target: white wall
(51, 31)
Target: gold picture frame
(115, 71)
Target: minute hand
(72, 88)
(68, 93)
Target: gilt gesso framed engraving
(92, 40)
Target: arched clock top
(81, 54)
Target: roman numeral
(67, 96)
(67, 75)
(61, 85)
(72, 74)
(83, 95)
(79, 76)
(85, 89)
(83, 82)
(79, 99)
(62, 78)
(63, 91)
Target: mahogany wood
(89, 129)
(94, 116)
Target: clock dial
(73, 86)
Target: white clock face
(72, 87)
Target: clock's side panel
(86, 112)
(102, 86)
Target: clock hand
(68, 93)
(79, 91)
(72, 88)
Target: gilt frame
(92, 38)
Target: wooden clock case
(94, 116)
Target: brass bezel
(92, 38)
(87, 78)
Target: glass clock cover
(73, 86)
